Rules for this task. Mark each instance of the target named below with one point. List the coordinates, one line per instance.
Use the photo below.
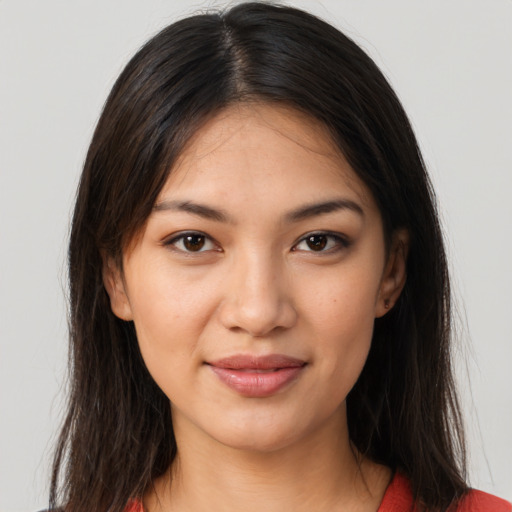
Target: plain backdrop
(449, 61)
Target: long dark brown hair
(403, 411)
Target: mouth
(258, 376)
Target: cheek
(344, 301)
(169, 314)
(166, 302)
(343, 321)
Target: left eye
(192, 242)
(320, 242)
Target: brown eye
(193, 243)
(316, 242)
(325, 242)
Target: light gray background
(450, 62)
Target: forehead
(256, 120)
(263, 149)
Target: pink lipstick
(257, 376)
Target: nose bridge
(257, 300)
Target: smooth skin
(262, 241)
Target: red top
(398, 498)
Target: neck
(322, 472)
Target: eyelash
(338, 242)
(181, 239)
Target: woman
(260, 308)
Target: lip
(257, 376)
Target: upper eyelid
(175, 237)
(181, 234)
(172, 238)
(338, 236)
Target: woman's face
(256, 281)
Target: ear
(116, 289)
(395, 273)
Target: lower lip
(257, 384)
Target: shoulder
(398, 495)
(398, 498)
(479, 501)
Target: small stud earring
(386, 303)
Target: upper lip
(252, 362)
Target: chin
(264, 433)
(262, 442)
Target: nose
(257, 299)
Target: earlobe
(116, 289)
(395, 273)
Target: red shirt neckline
(398, 498)
(398, 495)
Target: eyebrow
(312, 210)
(200, 210)
(302, 213)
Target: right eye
(192, 242)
